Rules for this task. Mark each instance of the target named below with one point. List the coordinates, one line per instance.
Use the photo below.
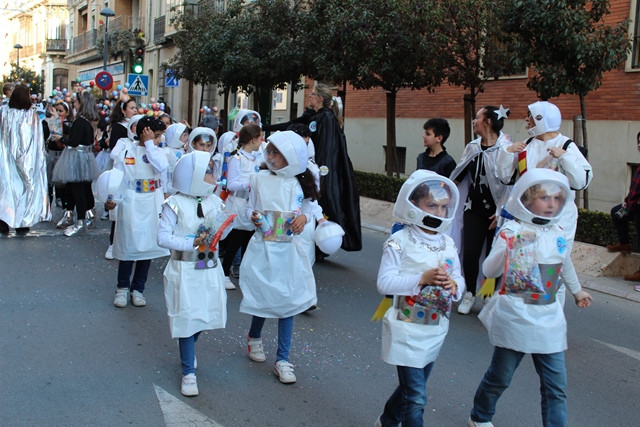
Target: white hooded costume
(193, 290)
(275, 275)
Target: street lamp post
(18, 46)
(106, 12)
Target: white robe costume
(196, 299)
(137, 216)
(276, 277)
(405, 257)
(512, 322)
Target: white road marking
(629, 352)
(177, 413)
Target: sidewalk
(598, 269)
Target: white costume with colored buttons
(138, 214)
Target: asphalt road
(70, 358)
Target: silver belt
(416, 313)
(86, 148)
(206, 259)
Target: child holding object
(191, 223)
(420, 267)
(143, 163)
(275, 275)
(526, 316)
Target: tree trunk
(583, 112)
(469, 114)
(224, 117)
(392, 159)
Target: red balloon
(92, 83)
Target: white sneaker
(189, 385)
(228, 284)
(256, 352)
(137, 299)
(467, 302)
(284, 372)
(122, 297)
(471, 423)
(109, 253)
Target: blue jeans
(553, 383)
(285, 329)
(139, 277)
(188, 353)
(406, 404)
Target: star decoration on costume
(467, 205)
(484, 181)
(502, 112)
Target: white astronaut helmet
(246, 116)
(195, 174)
(173, 134)
(133, 121)
(546, 116)
(205, 133)
(293, 149)
(539, 196)
(427, 200)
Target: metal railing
(56, 45)
(158, 29)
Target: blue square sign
(170, 79)
(138, 84)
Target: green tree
(381, 44)
(25, 76)
(479, 49)
(569, 46)
(253, 47)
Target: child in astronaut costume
(193, 289)
(545, 150)
(420, 267)
(176, 137)
(525, 316)
(275, 275)
(137, 217)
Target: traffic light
(137, 67)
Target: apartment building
(35, 34)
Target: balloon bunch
(105, 109)
(154, 108)
(207, 110)
(59, 95)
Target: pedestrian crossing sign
(138, 84)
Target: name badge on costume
(129, 160)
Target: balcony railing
(56, 45)
(158, 30)
(87, 40)
(83, 42)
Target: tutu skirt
(75, 165)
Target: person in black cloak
(339, 196)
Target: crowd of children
(206, 202)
